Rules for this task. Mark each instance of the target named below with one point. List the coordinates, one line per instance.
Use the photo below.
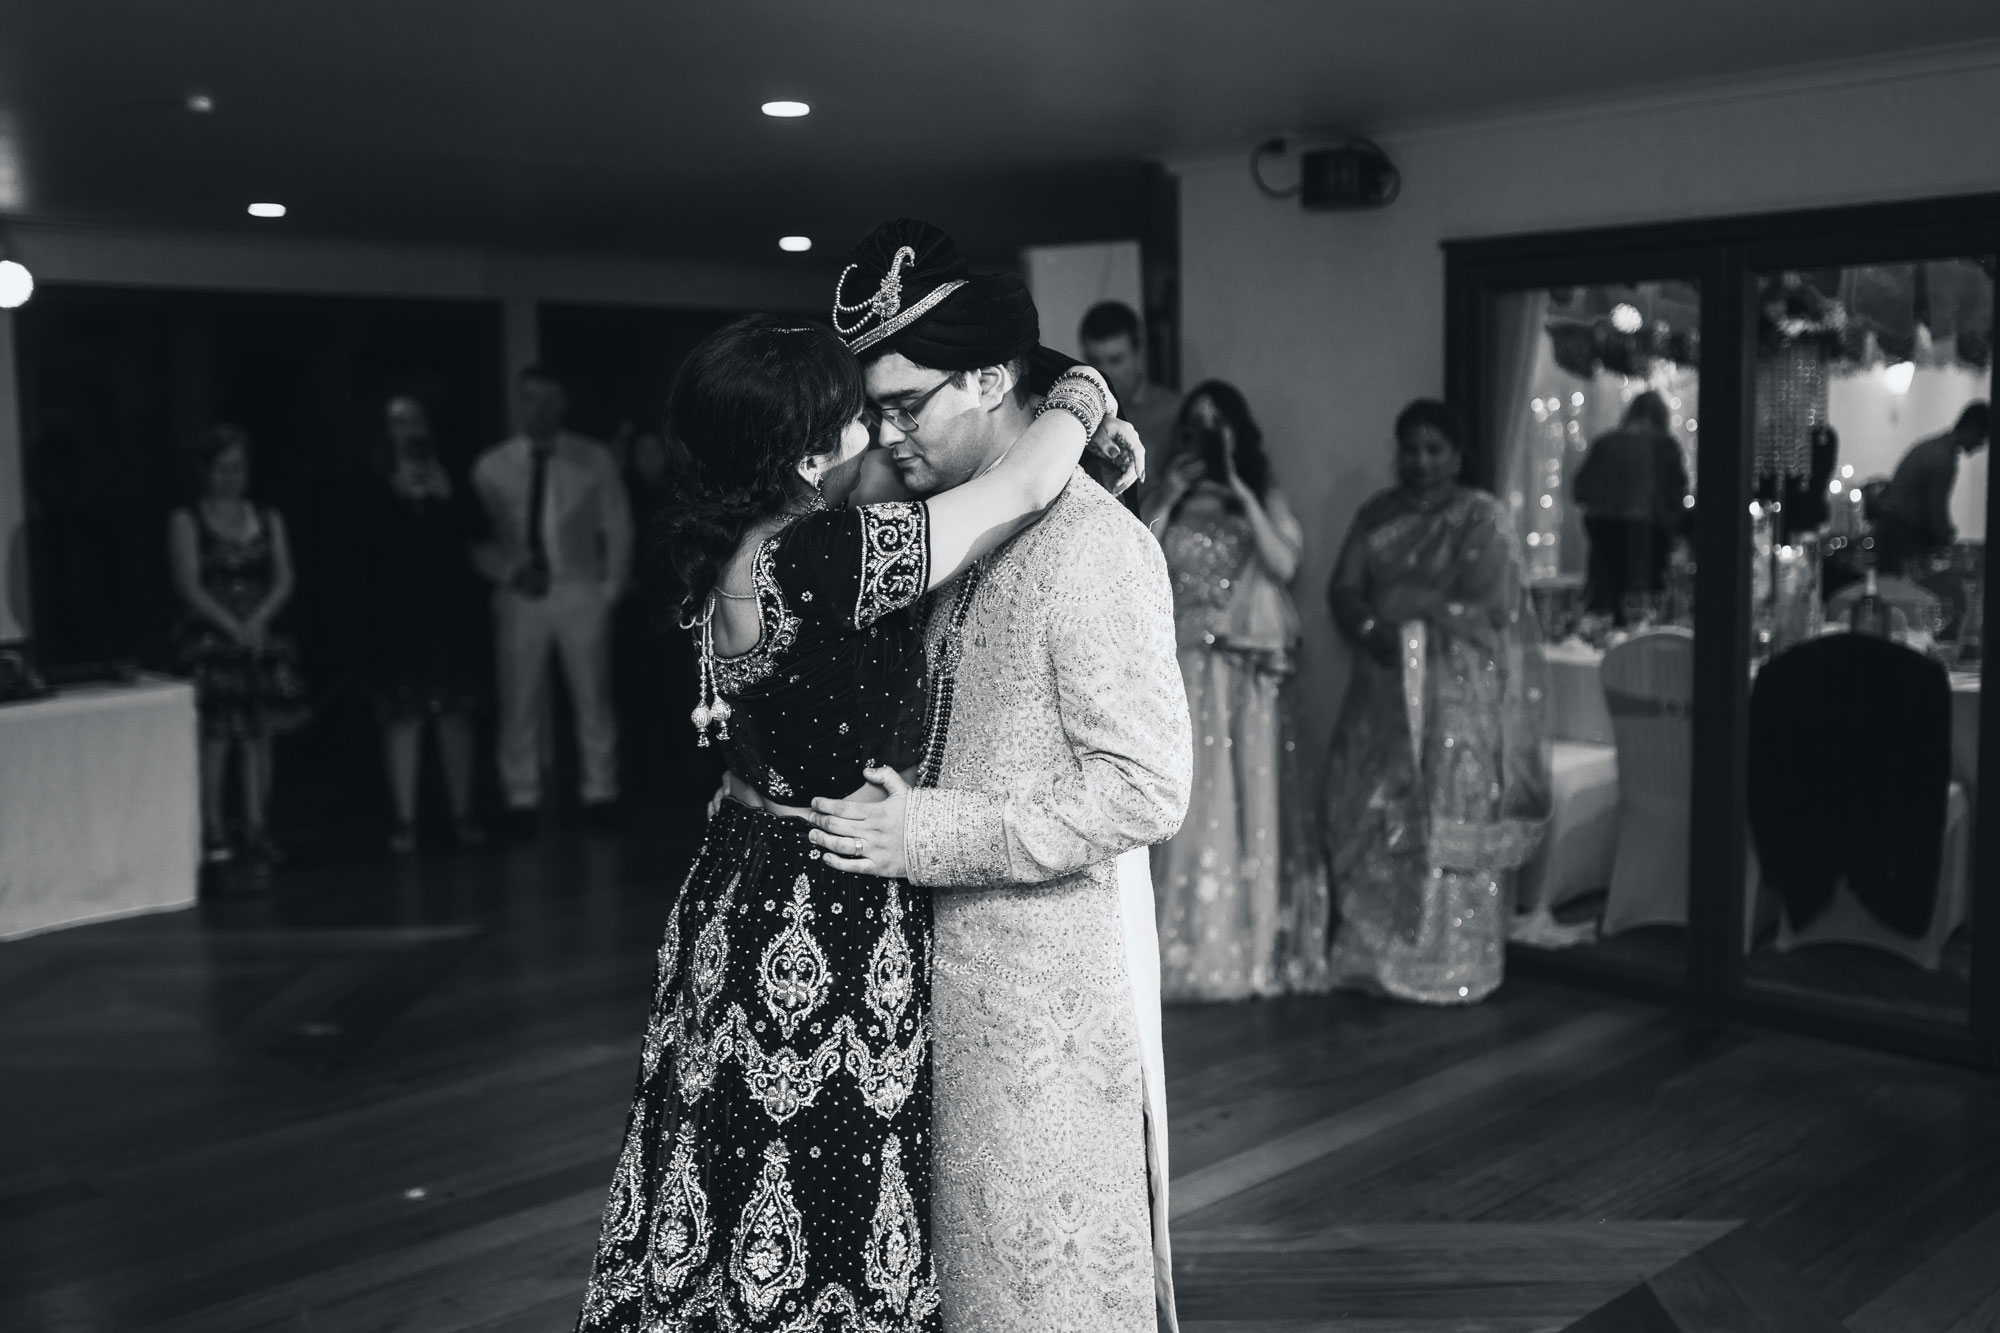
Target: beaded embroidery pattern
(794, 1041)
(776, 1172)
(1040, 1200)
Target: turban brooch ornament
(885, 307)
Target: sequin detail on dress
(895, 1244)
(888, 1079)
(770, 1249)
(783, 1081)
(749, 1194)
(890, 971)
(895, 559)
(793, 972)
(781, 628)
(789, 1035)
(711, 951)
(681, 1227)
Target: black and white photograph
(1121, 666)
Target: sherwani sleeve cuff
(953, 838)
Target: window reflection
(1867, 568)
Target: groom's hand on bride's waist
(865, 836)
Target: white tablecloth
(1581, 842)
(99, 805)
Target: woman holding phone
(1241, 895)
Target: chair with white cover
(1649, 689)
(1857, 824)
(1578, 851)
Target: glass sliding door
(1744, 464)
(1593, 421)
(1867, 579)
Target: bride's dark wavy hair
(751, 403)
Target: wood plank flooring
(388, 1096)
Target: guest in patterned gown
(1437, 785)
(1242, 898)
(776, 1171)
(232, 566)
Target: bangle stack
(1080, 393)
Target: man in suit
(558, 555)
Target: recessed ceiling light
(200, 103)
(787, 110)
(16, 284)
(267, 210)
(795, 244)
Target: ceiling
(627, 126)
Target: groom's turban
(907, 289)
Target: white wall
(1067, 280)
(518, 280)
(1330, 322)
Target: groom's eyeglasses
(903, 415)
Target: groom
(1059, 739)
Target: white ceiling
(620, 125)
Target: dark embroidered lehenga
(777, 1160)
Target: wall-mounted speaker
(1357, 174)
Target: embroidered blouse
(837, 680)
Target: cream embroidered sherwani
(1067, 744)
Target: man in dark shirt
(1632, 488)
(1913, 512)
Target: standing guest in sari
(1437, 785)
(1241, 890)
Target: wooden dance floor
(388, 1099)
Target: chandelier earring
(814, 476)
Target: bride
(776, 1165)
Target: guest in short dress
(1241, 890)
(1437, 784)
(232, 567)
(422, 606)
